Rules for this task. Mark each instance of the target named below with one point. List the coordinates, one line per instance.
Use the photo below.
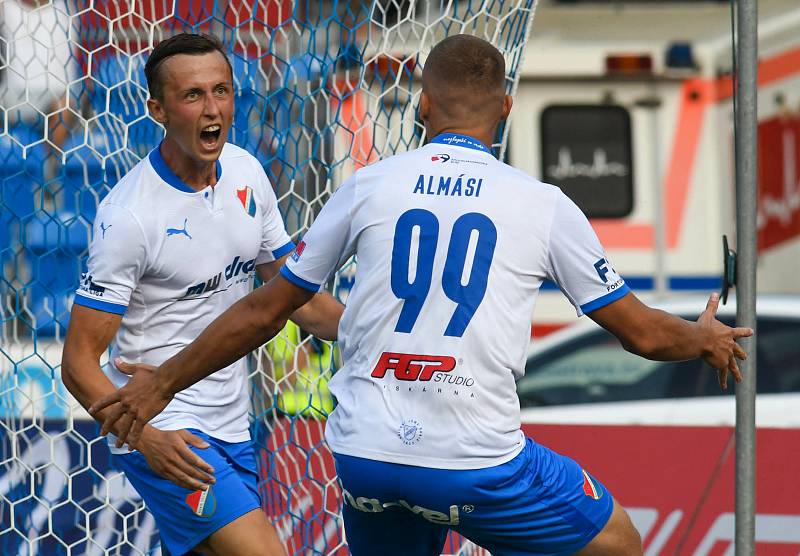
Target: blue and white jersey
(171, 260)
(452, 247)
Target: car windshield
(594, 368)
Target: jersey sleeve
(275, 242)
(117, 259)
(578, 263)
(328, 243)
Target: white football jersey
(171, 260)
(451, 247)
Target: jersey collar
(165, 172)
(458, 140)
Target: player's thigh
(187, 518)
(248, 535)
(394, 531)
(538, 503)
(618, 538)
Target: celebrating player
(176, 242)
(452, 248)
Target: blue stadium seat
(114, 93)
(55, 246)
(19, 180)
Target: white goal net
(322, 88)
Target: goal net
(322, 88)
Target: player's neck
(197, 175)
(481, 135)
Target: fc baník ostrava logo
(245, 196)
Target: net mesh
(322, 88)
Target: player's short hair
(466, 62)
(182, 43)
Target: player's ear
(157, 111)
(424, 107)
(507, 102)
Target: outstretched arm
(246, 325)
(320, 316)
(661, 336)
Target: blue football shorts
(184, 517)
(539, 503)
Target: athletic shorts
(539, 503)
(184, 517)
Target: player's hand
(133, 405)
(168, 454)
(722, 351)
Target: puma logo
(181, 231)
(104, 228)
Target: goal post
(321, 89)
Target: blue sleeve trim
(297, 281)
(104, 306)
(607, 299)
(281, 251)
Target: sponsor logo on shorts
(589, 488)
(202, 502)
(375, 506)
(410, 432)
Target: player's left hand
(721, 350)
(133, 405)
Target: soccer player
(176, 242)
(452, 248)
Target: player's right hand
(722, 351)
(168, 454)
(132, 406)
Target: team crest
(410, 432)
(245, 196)
(202, 502)
(589, 488)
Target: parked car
(581, 374)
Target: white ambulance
(629, 108)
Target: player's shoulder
(525, 180)
(238, 158)
(235, 153)
(405, 161)
(247, 167)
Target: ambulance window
(586, 151)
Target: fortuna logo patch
(202, 502)
(589, 489)
(245, 196)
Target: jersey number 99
(414, 292)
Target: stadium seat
(55, 245)
(20, 178)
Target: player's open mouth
(210, 135)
